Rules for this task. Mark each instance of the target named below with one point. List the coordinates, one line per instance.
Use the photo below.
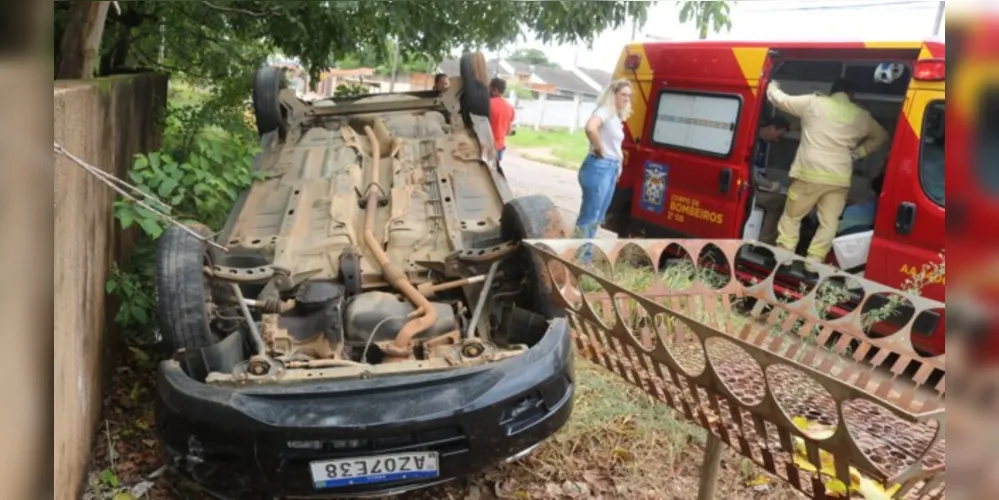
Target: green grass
(564, 149)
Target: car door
(692, 166)
(909, 231)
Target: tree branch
(151, 63)
(233, 10)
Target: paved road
(528, 177)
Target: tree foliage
(536, 57)
(222, 41)
(350, 89)
(707, 16)
(374, 57)
(213, 38)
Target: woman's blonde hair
(606, 99)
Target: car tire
(182, 297)
(474, 84)
(534, 217)
(267, 84)
(618, 217)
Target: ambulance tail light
(930, 70)
(632, 62)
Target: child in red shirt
(501, 115)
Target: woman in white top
(600, 170)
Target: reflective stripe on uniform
(788, 242)
(821, 176)
(818, 251)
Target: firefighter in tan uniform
(835, 132)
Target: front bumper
(260, 440)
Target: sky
(765, 20)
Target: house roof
(598, 75)
(520, 66)
(561, 79)
(564, 80)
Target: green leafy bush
(205, 164)
(203, 187)
(350, 89)
(136, 294)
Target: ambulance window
(704, 123)
(987, 141)
(931, 156)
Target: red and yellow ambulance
(697, 107)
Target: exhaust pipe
(425, 315)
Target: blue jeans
(499, 153)
(597, 178)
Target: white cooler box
(851, 250)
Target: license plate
(369, 470)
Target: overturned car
(366, 321)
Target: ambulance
(697, 108)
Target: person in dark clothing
(768, 193)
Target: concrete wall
(104, 122)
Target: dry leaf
(553, 490)
(575, 489)
(509, 489)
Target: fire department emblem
(654, 187)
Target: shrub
(204, 165)
(350, 89)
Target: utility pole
(941, 8)
(634, 21)
(395, 64)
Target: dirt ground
(619, 444)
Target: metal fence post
(710, 468)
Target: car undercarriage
(379, 246)
(373, 244)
